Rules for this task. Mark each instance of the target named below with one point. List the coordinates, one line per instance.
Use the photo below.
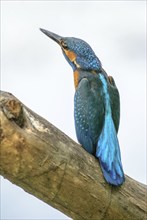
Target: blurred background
(35, 71)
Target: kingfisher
(96, 106)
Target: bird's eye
(64, 45)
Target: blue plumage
(96, 106)
(108, 150)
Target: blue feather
(108, 150)
(108, 153)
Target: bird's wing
(114, 101)
(89, 113)
(108, 150)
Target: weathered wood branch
(49, 165)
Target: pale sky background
(35, 71)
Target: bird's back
(89, 109)
(97, 111)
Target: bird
(96, 106)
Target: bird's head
(76, 51)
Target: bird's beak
(53, 36)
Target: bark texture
(46, 163)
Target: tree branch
(49, 165)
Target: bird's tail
(108, 152)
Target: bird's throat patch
(76, 78)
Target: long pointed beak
(53, 36)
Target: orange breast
(76, 78)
